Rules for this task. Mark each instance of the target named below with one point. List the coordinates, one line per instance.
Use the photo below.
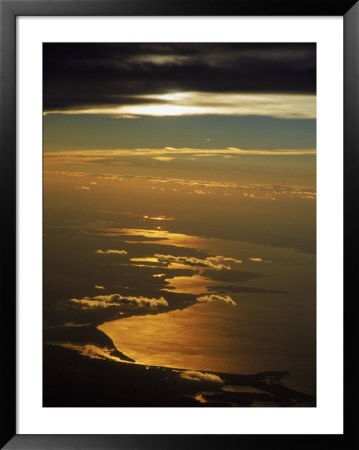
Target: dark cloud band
(85, 75)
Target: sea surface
(192, 262)
(261, 332)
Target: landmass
(72, 379)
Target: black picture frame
(9, 10)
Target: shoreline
(91, 342)
(117, 384)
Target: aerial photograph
(179, 224)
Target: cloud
(147, 259)
(118, 300)
(84, 188)
(194, 375)
(126, 77)
(216, 298)
(98, 286)
(259, 260)
(212, 262)
(264, 191)
(159, 275)
(192, 103)
(111, 252)
(160, 218)
(171, 152)
(66, 173)
(163, 158)
(259, 197)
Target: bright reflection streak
(147, 259)
(158, 218)
(197, 284)
(160, 236)
(213, 337)
(194, 338)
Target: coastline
(119, 384)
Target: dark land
(74, 380)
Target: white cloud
(259, 260)
(213, 262)
(289, 106)
(171, 152)
(111, 252)
(163, 158)
(118, 300)
(251, 191)
(159, 218)
(194, 375)
(259, 197)
(68, 174)
(146, 259)
(210, 298)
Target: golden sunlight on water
(182, 221)
(161, 237)
(197, 284)
(217, 337)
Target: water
(190, 273)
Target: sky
(181, 95)
(180, 183)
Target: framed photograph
(173, 188)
